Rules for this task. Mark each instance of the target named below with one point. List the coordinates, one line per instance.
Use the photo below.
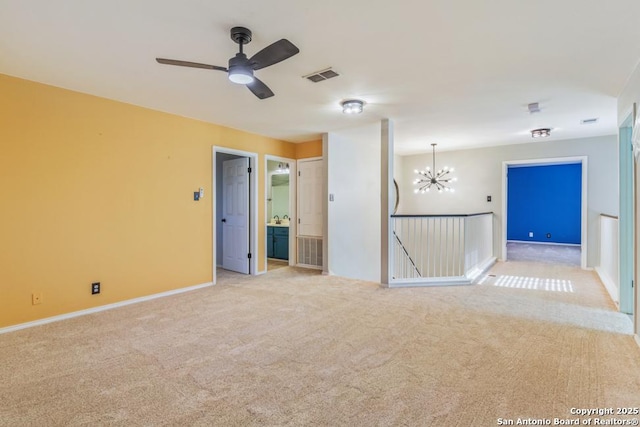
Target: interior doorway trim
(583, 203)
(253, 206)
(293, 214)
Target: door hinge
(249, 255)
(632, 284)
(298, 220)
(249, 170)
(298, 173)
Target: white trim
(544, 243)
(310, 159)
(480, 269)
(102, 308)
(637, 338)
(253, 205)
(436, 281)
(469, 278)
(309, 266)
(293, 204)
(609, 285)
(583, 160)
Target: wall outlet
(36, 298)
(531, 234)
(95, 288)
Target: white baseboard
(429, 282)
(480, 269)
(544, 243)
(101, 308)
(609, 285)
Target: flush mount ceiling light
(431, 178)
(540, 133)
(352, 106)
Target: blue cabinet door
(281, 243)
(270, 253)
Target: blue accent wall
(542, 200)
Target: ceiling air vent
(588, 121)
(322, 75)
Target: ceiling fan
(241, 68)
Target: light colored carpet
(540, 252)
(295, 348)
(274, 264)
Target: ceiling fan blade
(259, 89)
(272, 54)
(189, 64)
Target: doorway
(280, 213)
(527, 234)
(626, 220)
(234, 211)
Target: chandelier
(431, 178)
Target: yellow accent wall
(309, 149)
(97, 190)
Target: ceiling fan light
(241, 75)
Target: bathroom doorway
(280, 213)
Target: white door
(235, 215)
(310, 183)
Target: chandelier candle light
(431, 178)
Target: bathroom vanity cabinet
(277, 242)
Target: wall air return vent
(322, 75)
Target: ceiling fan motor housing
(241, 35)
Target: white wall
(479, 173)
(354, 230)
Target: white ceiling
(456, 72)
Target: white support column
(325, 204)
(386, 202)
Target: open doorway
(545, 217)
(234, 211)
(626, 222)
(280, 213)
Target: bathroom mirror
(278, 190)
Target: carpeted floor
(274, 264)
(295, 348)
(540, 252)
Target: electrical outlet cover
(36, 298)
